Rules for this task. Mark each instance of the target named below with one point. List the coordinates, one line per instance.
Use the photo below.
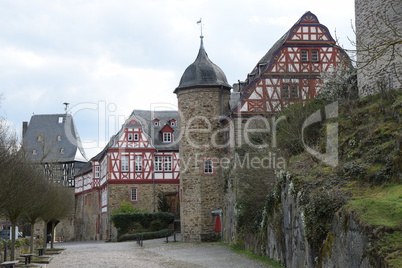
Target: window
(40, 138)
(60, 119)
(134, 195)
(156, 122)
(58, 138)
(167, 137)
(158, 163)
(97, 171)
(285, 91)
(136, 137)
(172, 123)
(130, 136)
(138, 163)
(168, 163)
(295, 92)
(62, 151)
(314, 55)
(304, 55)
(208, 166)
(34, 152)
(124, 163)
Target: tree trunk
(45, 234)
(31, 244)
(12, 251)
(52, 233)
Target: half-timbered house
(139, 163)
(291, 70)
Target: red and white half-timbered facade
(140, 162)
(291, 70)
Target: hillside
(367, 181)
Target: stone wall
(283, 238)
(87, 224)
(377, 22)
(147, 198)
(203, 138)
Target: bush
(127, 222)
(145, 235)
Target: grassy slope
(368, 175)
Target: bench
(27, 258)
(40, 251)
(8, 264)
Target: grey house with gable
(52, 141)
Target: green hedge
(145, 235)
(125, 222)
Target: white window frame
(156, 123)
(208, 166)
(158, 163)
(315, 55)
(125, 163)
(136, 136)
(130, 136)
(167, 137)
(134, 194)
(304, 55)
(97, 172)
(167, 163)
(173, 123)
(60, 119)
(138, 163)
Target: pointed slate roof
(41, 142)
(202, 73)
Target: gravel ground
(154, 253)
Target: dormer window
(34, 152)
(173, 123)
(156, 122)
(167, 137)
(58, 138)
(60, 119)
(62, 150)
(40, 138)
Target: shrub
(125, 223)
(145, 235)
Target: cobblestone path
(154, 253)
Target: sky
(108, 57)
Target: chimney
(24, 128)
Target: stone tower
(378, 31)
(203, 97)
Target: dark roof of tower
(202, 73)
(52, 138)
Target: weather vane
(200, 23)
(66, 106)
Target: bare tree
(60, 203)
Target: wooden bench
(8, 264)
(27, 258)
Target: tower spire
(200, 23)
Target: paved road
(154, 253)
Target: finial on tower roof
(66, 106)
(200, 23)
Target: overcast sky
(109, 57)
